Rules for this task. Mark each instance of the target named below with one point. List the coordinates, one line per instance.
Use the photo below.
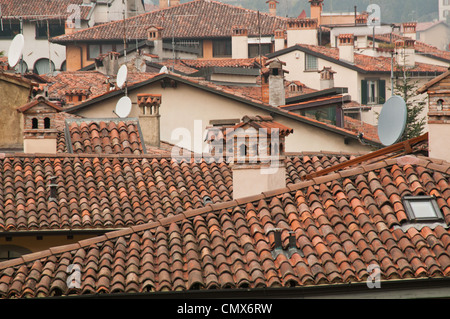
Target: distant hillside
(391, 11)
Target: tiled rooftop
(195, 19)
(41, 9)
(372, 64)
(102, 136)
(341, 223)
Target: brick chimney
(346, 48)
(405, 53)
(316, 10)
(326, 78)
(40, 133)
(149, 117)
(255, 149)
(273, 83)
(302, 31)
(239, 42)
(108, 63)
(409, 30)
(272, 7)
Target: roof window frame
(409, 210)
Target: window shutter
(364, 92)
(381, 91)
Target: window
(422, 208)
(311, 63)
(373, 91)
(44, 66)
(46, 122)
(34, 123)
(222, 48)
(94, 50)
(9, 31)
(55, 30)
(253, 50)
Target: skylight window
(422, 209)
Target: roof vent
(207, 200)
(53, 189)
(278, 244)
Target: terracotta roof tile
(41, 9)
(372, 64)
(338, 230)
(195, 19)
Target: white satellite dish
(123, 107)
(122, 75)
(392, 120)
(15, 50)
(164, 70)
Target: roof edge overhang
(389, 289)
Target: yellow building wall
(13, 95)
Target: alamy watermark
(374, 278)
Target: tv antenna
(15, 51)
(392, 120)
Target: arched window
(46, 122)
(44, 66)
(34, 123)
(440, 104)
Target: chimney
(405, 53)
(326, 78)
(154, 33)
(39, 129)
(438, 115)
(273, 83)
(149, 117)
(168, 3)
(409, 30)
(239, 42)
(346, 48)
(279, 36)
(302, 31)
(361, 19)
(76, 96)
(272, 7)
(163, 4)
(108, 63)
(316, 10)
(255, 149)
(69, 27)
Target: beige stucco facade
(186, 111)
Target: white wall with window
(36, 44)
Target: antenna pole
(124, 34)
(21, 56)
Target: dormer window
(422, 209)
